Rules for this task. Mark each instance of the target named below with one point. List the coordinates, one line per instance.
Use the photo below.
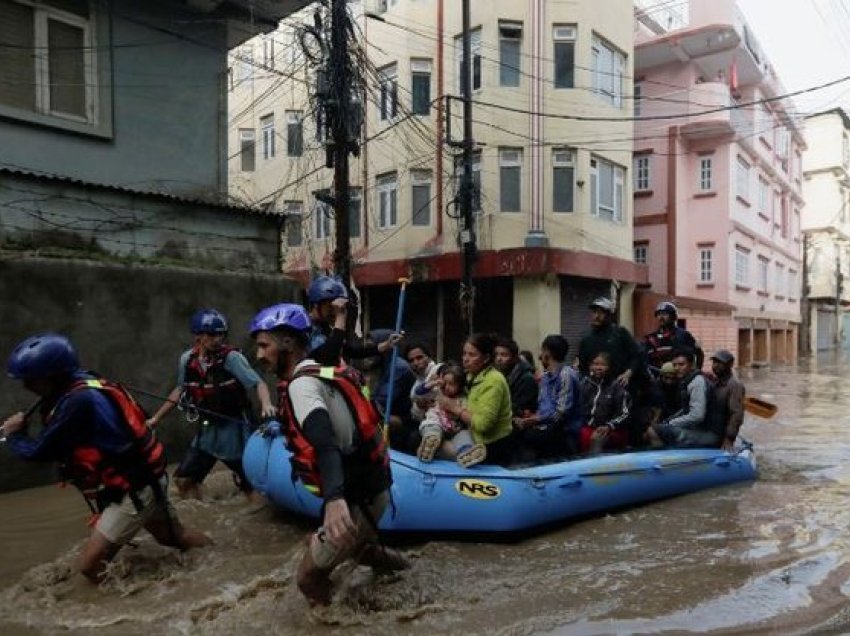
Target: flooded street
(767, 558)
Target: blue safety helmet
(208, 321)
(282, 316)
(43, 355)
(666, 307)
(325, 288)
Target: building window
(638, 98)
(294, 133)
(845, 151)
(705, 174)
(268, 51)
(609, 67)
(606, 190)
(48, 60)
(267, 126)
(245, 66)
(640, 254)
(510, 179)
(294, 216)
(762, 273)
(355, 206)
(420, 188)
(785, 217)
(641, 170)
(420, 85)
(742, 182)
(742, 266)
(247, 144)
(475, 67)
(563, 180)
(387, 201)
(476, 179)
(764, 195)
(389, 92)
(510, 48)
(792, 285)
(564, 37)
(781, 282)
(706, 265)
(322, 220)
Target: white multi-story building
(552, 106)
(826, 228)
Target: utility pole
(467, 289)
(340, 81)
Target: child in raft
(442, 434)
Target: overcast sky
(808, 43)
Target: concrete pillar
(537, 310)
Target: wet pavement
(771, 557)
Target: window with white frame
(48, 61)
(706, 264)
(637, 98)
(742, 179)
(322, 214)
(564, 39)
(640, 252)
(609, 66)
(387, 201)
(606, 190)
(563, 179)
(294, 217)
(764, 195)
(641, 170)
(388, 106)
(793, 291)
(245, 66)
(510, 48)
(781, 282)
(267, 126)
(294, 133)
(764, 265)
(268, 51)
(355, 206)
(247, 149)
(742, 266)
(420, 191)
(510, 179)
(706, 174)
(475, 66)
(420, 86)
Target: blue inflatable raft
(443, 497)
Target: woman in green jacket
(488, 409)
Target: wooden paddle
(760, 408)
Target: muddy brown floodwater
(766, 558)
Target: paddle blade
(760, 408)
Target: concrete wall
(130, 323)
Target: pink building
(717, 183)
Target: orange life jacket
(371, 449)
(140, 464)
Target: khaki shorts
(120, 522)
(327, 556)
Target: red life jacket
(214, 388)
(369, 437)
(140, 464)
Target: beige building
(826, 227)
(552, 108)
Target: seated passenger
(444, 434)
(403, 434)
(694, 425)
(606, 406)
(664, 394)
(488, 409)
(728, 396)
(553, 430)
(519, 375)
(425, 369)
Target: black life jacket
(713, 417)
(106, 477)
(367, 470)
(214, 388)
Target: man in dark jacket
(659, 345)
(519, 375)
(728, 396)
(606, 336)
